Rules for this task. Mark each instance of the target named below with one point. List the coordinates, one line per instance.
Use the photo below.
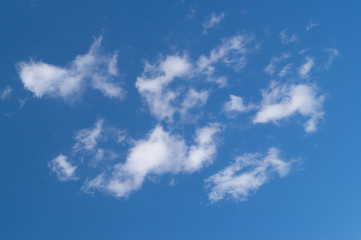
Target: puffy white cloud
(235, 104)
(63, 169)
(4, 93)
(153, 83)
(285, 39)
(305, 68)
(212, 21)
(246, 175)
(281, 101)
(160, 153)
(333, 52)
(231, 52)
(93, 68)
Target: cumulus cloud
(284, 100)
(91, 69)
(246, 175)
(231, 52)
(286, 39)
(305, 68)
(63, 169)
(153, 83)
(235, 104)
(212, 21)
(159, 153)
(4, 93)
(332, 53)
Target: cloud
(212, 21)
(87, 139)
(285, 39)
(271, 67)
(92, 69)
(311, 25)
(285, 70)
(232, 52)
(63, 169)
(4, 93)
(159, 153)
(152, 84)
(193, 99)
(284, 100)
(305, 68)
(246, 175)
(235, 104)
(192, 12)
(333, 52)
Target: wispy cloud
(311, 25)
(246, 175)
(305, 68)
(87, 139)
(286, 39)
(92, 69)
(332, 53)
(64, 170)
(212, 21)
(5, 93)
(284, 100)
(271, 67)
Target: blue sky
(180, 120)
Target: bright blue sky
(180, 120)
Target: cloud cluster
(246, 175)
(91, 69)
(159, 153)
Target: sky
(180, 120)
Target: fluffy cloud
(212, 21)
(5, 92)
(285, 39)
(246, 175)
(283, 100)
(92, 69)
(63, 169)
(235, 104)
(161, 152)
(305, 68)
(153, 83)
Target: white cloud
(5, 92)
(285, 70)
(160, 153)
(153, 83)
(246, 175)
(305, 68)
(87, 139)
(231, 52)
(282, 101)
(94, 69)
(212, 21)
(285, 39)
(63, 169)
(311, 25)
(235, 104)
(271, 67)
(193, 99)
(333, 52)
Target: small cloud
(311, 25)
(212, 21)
(246, 175)
(305, 68)
(5, 93)
(87, 139)
(285, 39)
(332, 53)
(235, 104)
(191, 13)
(271, 67)
(63, 169)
